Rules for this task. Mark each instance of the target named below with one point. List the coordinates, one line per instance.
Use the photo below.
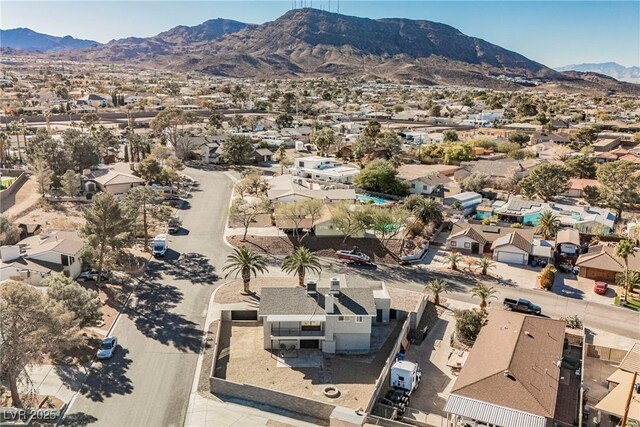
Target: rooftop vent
(527, 333)
(312, 287)
(508, 374)
(335, 286)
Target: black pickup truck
(521, 305)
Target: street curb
(207, 322)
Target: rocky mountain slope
(26, 39)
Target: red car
(600, 288)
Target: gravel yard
(355, 376)
(322, 246)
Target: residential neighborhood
(189, 247)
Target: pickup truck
(521, 305)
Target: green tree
(453, 258)
(244, 262)
(281, 157)
(388, 223)
(519, 138)
(324, 139)
(583, 166)
(449, 135)
(436, 288)
(70, 183)
(476, 181)
(351, 219)
(588, 134)
(106, 230)
(82, 150)
(43, 175)
(547, 277)
(625, 249)
(237, 150)
(546, 181)
(149, 169)
(425, 210)
(215, 121)
(620, 183)
(284, 120)
(171, 123)
(485, 264)
(484, 292)
(30, 329)
(300, 262)
(548, 224)
(469, 323)
(83, 303)
(143, 206)
(9, 232)
(381, 176)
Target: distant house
(334, 319)
(557, 138)
(601, 263)
(577, 186)
(620, 384)
(324, 169)
(36, 257)
(512, 375)
(568, 241)
(287, 188)
(110, 181)
(424, 183)
(468, 201)
(512, 248)
(263, 155)
(605, 144)
(95, 100)
(496, 169)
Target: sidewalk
(57, 380)
(255, 231)
(212, 412)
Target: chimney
(9, 253)
(328, 304)
(312, 287)
(335, 286)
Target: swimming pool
(363, 198)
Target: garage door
(510, 257)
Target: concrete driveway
(572, 286)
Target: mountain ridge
(27, 39)
(611, 69)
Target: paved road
(603, 317)
(148, 381)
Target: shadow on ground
(79, 419)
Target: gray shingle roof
(350, 302)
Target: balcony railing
(295, 332)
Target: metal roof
(492, 414)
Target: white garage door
(511, 258)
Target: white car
(107, 348)
(92, 275)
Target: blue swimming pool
(363, 198)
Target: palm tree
(16, 131)
(300, 262)
(454, 258)
(437, 287)
(25, 131)
(427, 211)
(245, 262)
(484, 292)
(4, 139)
(624, 249)
(548, 224)
(485, 264)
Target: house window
(310, 326)
(358, 319)
(301, 164)
(66, 260)
(467, 245)
(413, 185)
(343, 318)
(453, 243)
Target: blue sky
(554, 33)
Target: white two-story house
(324, 169)
(335, 320)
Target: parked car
(521, 305)
(565, 267)
(107, 348)
(92, 275)
(600, 288)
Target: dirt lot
(232, 293)
(355, 376)
(261, 220)
(322, 246)
(62, 216)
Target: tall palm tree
(300, 262)
(4, 139)
(624, 250)
(453, 259)
(13, 126)
(245, 262)
(548, 224)
(484, 292)
(435, 288)
(425, 210)
(485, 264)
(25, 131)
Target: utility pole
(626, 407)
